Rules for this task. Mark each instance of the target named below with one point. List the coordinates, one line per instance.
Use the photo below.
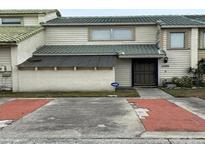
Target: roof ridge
(120, 16)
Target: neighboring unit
(46, 52)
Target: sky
(127, 12)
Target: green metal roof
(27, 11)
(164, 20)
(15, 34)
(123, 50)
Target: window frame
(170, 40)
(111, 29)
(11, 24)
(203, 40)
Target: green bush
(184, 81)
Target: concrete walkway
(153, 93)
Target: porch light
(166, 59)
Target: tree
(198, 74)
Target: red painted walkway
(16, 109)
(166, 116)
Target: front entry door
(145, 72)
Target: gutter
(78, 54)
(182, 26)
(96, 24)
(141, 56)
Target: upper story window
(177, 40)
(10, 21)
(203, 40)
(112, 34)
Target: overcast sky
(126, 12)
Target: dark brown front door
(145, 72)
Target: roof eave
(78, 54)
(181, 26)
(141, 56)
(97, 24)
(8, 44)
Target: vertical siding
(5, 59)
(123, 72)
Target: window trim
(203, 40)
(184, 44)
(110, 28)
(7, 24)
(186, 41)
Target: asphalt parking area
(78, 118)
(162, 115)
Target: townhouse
(42, 51)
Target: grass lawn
(199, 92)
(118, 92)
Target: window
(100, 34)
(203, 40)
(103, 34)
(11, 21)
(177, 40)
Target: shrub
(175, 80)
(184, 81)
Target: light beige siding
(146, 34)
(201, 54)
(66, 35)
(67, 80)
(179, 60)
(80, 35)
(5, 60)
(30, 21)
(123, 72)
(177, 66)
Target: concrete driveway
(78, 118)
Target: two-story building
(54, 53)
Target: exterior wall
(201, 54)
(28, 46)
(36, 20)
(5, 60)
(30, 21)
(49, 16)
(201, 51)
(177, 66)
(80, 35)
(179, 60)
(123, 72)
(66, 35)
(146, 34)
(194, 47)
(22, 52)
(66, 80)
